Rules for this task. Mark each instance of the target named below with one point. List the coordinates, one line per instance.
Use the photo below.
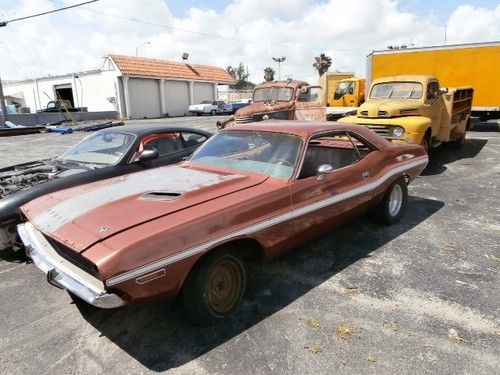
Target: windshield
(278, 94)
(344, 88)
(106, 148)
(273, 154)
(397, 90)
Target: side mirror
(323, 170)
(148, 155)
(443, 90)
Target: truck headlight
(398, 132)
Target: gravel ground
(419, 297)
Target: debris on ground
(351, 290)
(493, 258)
(453, 336)
(391, 326)
(448, 247)
(314, 349)
(371, 359)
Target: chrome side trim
(266, 223)
(62, 273)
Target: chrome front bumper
(64, 274)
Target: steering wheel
(284, 162)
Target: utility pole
(2, 103)
(279, 60)
(445, 34)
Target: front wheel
(213, 112)
(214, 288)
(392, 206)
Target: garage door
(176, 98)
(203, 91)
(144, 97)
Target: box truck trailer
(462, 65)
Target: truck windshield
(344, 88)
(278, 94)
(397, 90)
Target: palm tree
(269, 74)
(322, 63)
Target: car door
(309, 105)
(321, 200)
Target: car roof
(141, 129)
(307, 129)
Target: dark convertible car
(104, 154)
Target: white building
(135, 87)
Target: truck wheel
(392, 206)
(213, 112)
(198, 114)
(426, 142)
(214, 288)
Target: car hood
(82, 216)
(263, 107)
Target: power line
(4, 23)
(191, 31)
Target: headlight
(398, 132)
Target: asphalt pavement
(419, 297)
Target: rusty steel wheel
(224, 286)
(214, 287)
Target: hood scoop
(161, 195)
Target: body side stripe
(265, 224)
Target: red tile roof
(141, 66)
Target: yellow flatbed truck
(473, 65)
(415, 109)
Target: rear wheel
(214, 288)
(392, 206)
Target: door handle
(365, 174)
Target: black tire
(387, 211)
(214, 288)
(213, 112)
(198, 114)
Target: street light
(137, 48)
(279, 60)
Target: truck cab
(349, 92)
(416, 109)
(281, 100)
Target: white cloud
(251, 31)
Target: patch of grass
(314, 323)
(345, 331)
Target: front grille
(383, 113)
(382, 130)
(363, 113)
(73, 257)
(243, 119)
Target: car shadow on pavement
(445, 154)
(159, 336)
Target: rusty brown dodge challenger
(251, 190)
